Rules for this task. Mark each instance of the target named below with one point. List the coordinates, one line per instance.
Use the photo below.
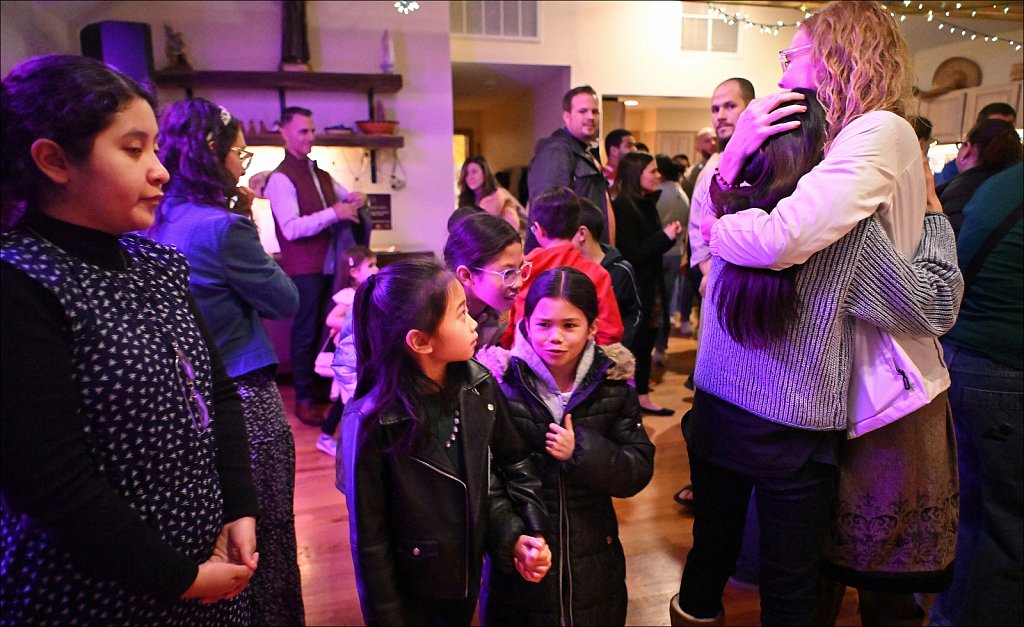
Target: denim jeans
(308, 329)
(793, 512)
(987, 401)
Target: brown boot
(308, 414)
(678, 618)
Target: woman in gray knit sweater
(773, 374)
(894, 522)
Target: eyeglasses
(786, 56)
(243, 155)
(959, 144)
(197, 409)
(511, 275)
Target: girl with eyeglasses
(235, 283)
(125, 490)
(486, 255)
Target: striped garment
(801, 380)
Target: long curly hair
(197, 172)
(863, 62)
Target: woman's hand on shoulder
(929, 185)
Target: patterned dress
(134, 342)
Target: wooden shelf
(355, 140)
(370, 84)
(301, 81)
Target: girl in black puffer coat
(572, 404)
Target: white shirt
(284, 203)
(700, 205)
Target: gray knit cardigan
(801, 380)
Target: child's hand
(532, 558)
(561, 439)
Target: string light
(762, 27)
(768, 28)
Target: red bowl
(377, 127)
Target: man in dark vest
(315, 219)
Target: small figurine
(177, 56)
(387, 53)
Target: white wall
(633, 48)
(344, 37)
(994, 59)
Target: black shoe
(688, 384)
(664, 411)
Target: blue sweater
(233, 279)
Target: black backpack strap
(990, 242)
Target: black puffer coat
(613, 458)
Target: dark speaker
(125, 46)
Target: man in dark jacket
(568, 158)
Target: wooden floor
(655, 531)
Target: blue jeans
(987, 401)
(793, 511)
(308, 329)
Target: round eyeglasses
(511, 275)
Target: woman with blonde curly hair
(894, 524)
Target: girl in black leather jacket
(428, 453)
(570, 400)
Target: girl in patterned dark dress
(125, 490)
(235, 283)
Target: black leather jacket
(417, 526)
(613, 458)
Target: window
(702, 33)
(498, 19)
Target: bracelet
(721, 180)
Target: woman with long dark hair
(772, 379)
(478, 186)
(235, 283)
(642, 241)
(898, 467)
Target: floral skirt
(898, 505)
